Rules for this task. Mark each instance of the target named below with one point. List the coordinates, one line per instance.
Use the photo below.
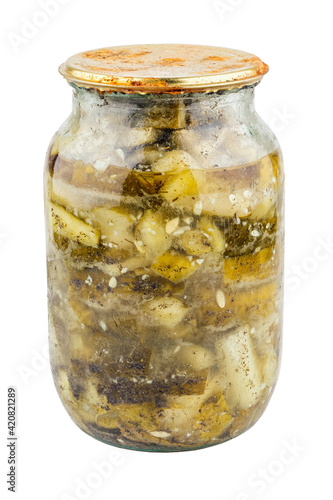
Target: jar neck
(235, 104)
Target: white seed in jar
(102, 164)
(160, 434)
(113, 282)
(200, 261)
(89, 280)
(124, 270)
(247, 193)
(197, 208)
(172, 225)
(232, 198)
(188, 220)
(255, 233)
(145, 276)
(220, 299)
(139, 246)
(181, 230)
(102, 325)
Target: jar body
(165, 259)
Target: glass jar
(164, 220)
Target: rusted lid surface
(163, 68)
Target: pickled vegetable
(164, 278)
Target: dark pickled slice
(244, 237)
(95, 287)
(169, 115)
(83, 255)
(63, 243)
(114, 355)
(124, 389)
(143, 183)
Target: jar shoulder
(129, 142)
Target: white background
(295, 98)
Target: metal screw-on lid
(163, 69)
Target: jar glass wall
(165, 258)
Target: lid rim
(244, 69)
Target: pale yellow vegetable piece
(181, 189)
(241, 368)
(174, 161)
(166, 312)
(215, 236)
(125, 266)
(195, 242)
(108, 420)
(115, 225)
(67, 225)
(150, 234)
(196, 356)
(251, 267)
(219, 197)
(269, 364)
(174, 266)
(266, 176)
(206, 237)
